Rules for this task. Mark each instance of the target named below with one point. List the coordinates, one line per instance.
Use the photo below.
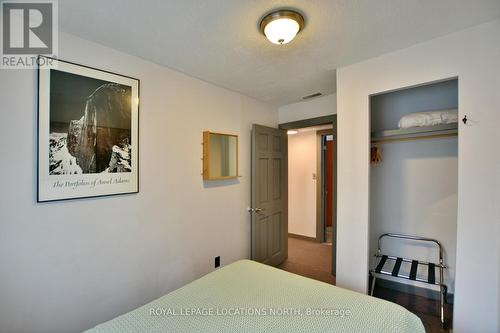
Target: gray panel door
(269, 195)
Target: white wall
(66, 266)
(474, 56)
(313, 108)
(302, 164)
(414, 192)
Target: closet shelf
(415, 133)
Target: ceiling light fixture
(292, 132)
(281, 26)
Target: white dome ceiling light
(281, 26)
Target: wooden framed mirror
(220, 156)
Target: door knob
(255, 210)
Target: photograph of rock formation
(90, 125)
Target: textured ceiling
(219, 41)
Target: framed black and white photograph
(88, 132)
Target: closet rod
(413, 138)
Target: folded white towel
(429, 118)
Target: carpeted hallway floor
(310, 259)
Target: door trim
(320, 194)
(324, 120)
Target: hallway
(310, 259)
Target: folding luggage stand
(383, 259)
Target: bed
(250, 297)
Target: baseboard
(413, 290)
(302, 237)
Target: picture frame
(88, 132)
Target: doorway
(325, 219)
(312, 198)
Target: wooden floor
(310, 259)
(313, 260)
(426, 309)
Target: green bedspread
(250, 297)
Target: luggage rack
(383, 259)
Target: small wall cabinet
(220, 156)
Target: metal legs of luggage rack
(431, 279)
(373, 283)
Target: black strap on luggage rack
(384, 259)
